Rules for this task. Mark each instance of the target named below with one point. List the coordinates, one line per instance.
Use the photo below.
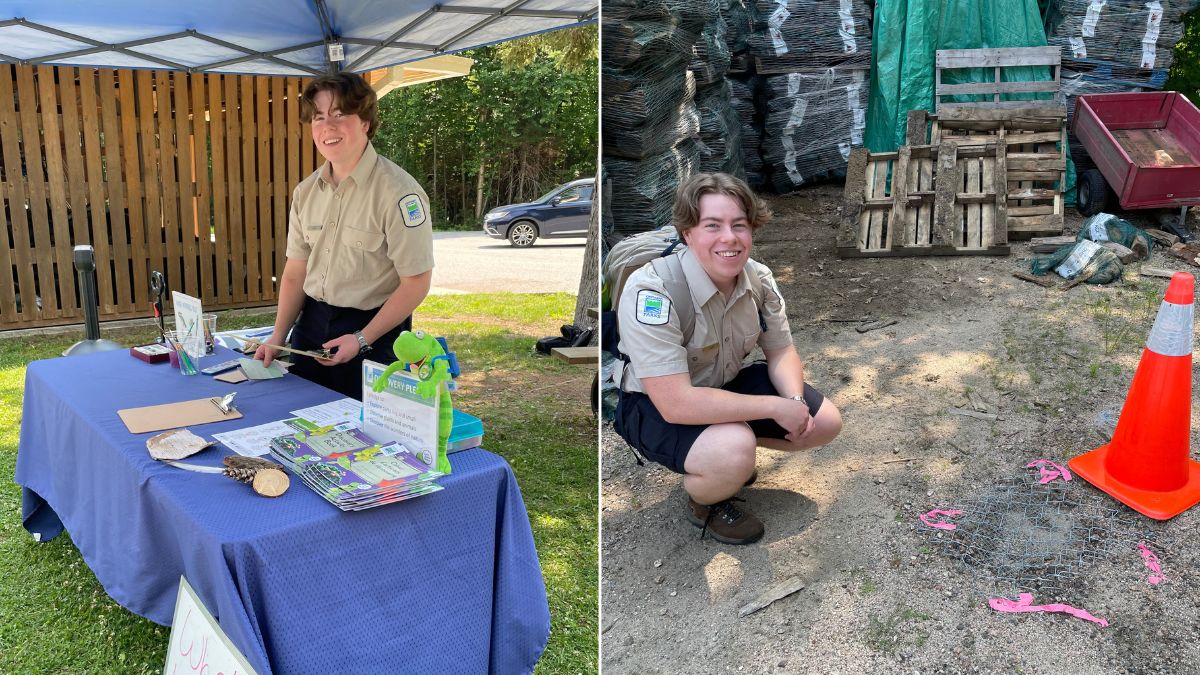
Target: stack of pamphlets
(350, 470)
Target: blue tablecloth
(446, 583)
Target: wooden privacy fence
(190, 175)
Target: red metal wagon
(1146, 147)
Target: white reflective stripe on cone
(1172, 332)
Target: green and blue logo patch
(410, 206)
(653, 308)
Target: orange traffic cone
(1146, 464)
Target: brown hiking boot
(725, 522)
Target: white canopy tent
(268, 37)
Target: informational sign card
(198, 645)
(399, 413)
(189, 327)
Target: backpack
(654, 248)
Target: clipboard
(175, 415)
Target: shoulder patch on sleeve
(653, 309)
(412, 210)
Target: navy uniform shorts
(641, 425)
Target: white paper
(188, 326)
(254, 441)
(334, 412)
(399, 414)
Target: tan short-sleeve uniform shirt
(725, 332)
(360, 237)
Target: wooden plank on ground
(577, 354)
(1049, 244)
(1162, 238)
(1156, 272)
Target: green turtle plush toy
(433, 367)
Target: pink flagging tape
(1152, 562)
(1025, 604)
(928, 518)
(1051, 472)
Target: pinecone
(243, 469)
(243, 475)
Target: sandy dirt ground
(883, 593)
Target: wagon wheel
(1092, 194)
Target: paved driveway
(472, 262)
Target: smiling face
(721, 239)
(340, 138)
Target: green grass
(901, 627)
(55, 617)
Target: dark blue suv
(561, 212)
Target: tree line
(523, 121)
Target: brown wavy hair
(685, 213)
(351, 94)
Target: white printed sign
(198, 645)
(399, 414)
(189, 327)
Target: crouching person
(687, 402)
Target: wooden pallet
(925, 200)
(997, 60)
(1035, 141)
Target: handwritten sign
(399, 414)
(198, 646)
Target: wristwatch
(799, 397)
(363, 345)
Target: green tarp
(905, 37)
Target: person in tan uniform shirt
(359, 246)
(688, 402)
